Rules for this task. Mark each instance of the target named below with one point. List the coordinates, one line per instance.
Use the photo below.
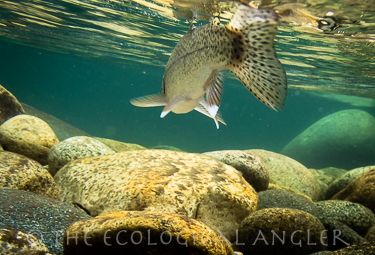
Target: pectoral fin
(214, 92)
(149, 100)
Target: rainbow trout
(245, 46)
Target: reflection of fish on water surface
(245, 46)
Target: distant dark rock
(38, 215)
(62, 129)
(9, 105)
(285, 199)
(22, 173)
(345, 139)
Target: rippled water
(339, 60)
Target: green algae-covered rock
(144, 233)
(39, 215)
(345, 139)
(366, 248)
(252, 167)
(370, 236)
(193, 185)
(74, 148)
(287, 172)
(22, 173)
(9, 105)
(258, 232)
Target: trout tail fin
(254, 59)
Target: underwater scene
(187, 127)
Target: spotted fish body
(245, 46)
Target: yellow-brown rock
(285, 171)
(120, 146)
(9, 105)
(136, 233)
(28, 136)
(361, 190)
(17, 242)
(22, 173)
(193, 185)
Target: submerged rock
(74, 148)
(9, 105)
(62, 129)
(285, 171)
(262, 230)
(356, 216)
(345, 179)
(370, 236)
(16, 242)
(285, 199)
(252, 167)
(344, 139)
(120, 146)
(144, 233)
(366, 248)
(22, 173)
(323, 180)
(193, 185)
(44, 217)
(361, 190)
(28, 136)
(340, 235)
(165, 147)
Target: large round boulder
(287, 172)
(20, 172)
(9, 105)
(74, 148)
(137, 233)
(345, 139)
(28, 136)
(252, 167)
(158, 180)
